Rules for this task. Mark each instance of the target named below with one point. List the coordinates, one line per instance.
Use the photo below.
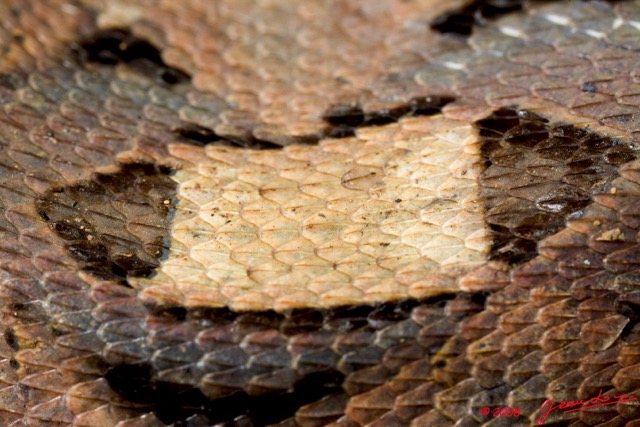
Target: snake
(319, 213)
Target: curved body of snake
(319, 213)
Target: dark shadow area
(119, 45)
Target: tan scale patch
(392, 213)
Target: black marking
(8, 85)
(462, 20)
(119, 45)
(629, 307)
(174, 313)
(321, 369)
(479, 299)
(11, 339)
(207, 315)
(390, 313)
(133, 382)
(175, 403)
(15, 365)
(200, 136)
(197, 135)
(301, 321)
(94, 217)
(478, 13)
(537, 175)
(314, 377)
(8, 81)
(343, 120)
(30, 312)
(290, 322)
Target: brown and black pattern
(114, 225)
(86, 199)
(540, 174)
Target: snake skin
(113, 111)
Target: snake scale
(345, 213)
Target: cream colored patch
(393, 213)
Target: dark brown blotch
(327, 345)
(15, 365)
(462, 20)
(537, 175)
(119, 45)
(178, 404)
(11, 339)
(114, 225)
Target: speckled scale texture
(83, 344)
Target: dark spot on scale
(93, 220)
(440, 364)
(479, 298)
(11, 339)
(14, 364)
(537, 175)
(57, 332)
(8, 81)
(8, 85)
(18, 306)
(589, 87)
(120, 46)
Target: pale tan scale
(378, 216)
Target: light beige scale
(389, 214)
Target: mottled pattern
(551, 313)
